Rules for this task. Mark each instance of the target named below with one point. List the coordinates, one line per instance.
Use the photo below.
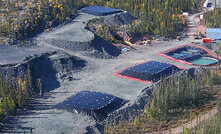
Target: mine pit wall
(44, 67)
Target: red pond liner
(185, 62)
(136, 79)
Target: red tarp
(206, 40)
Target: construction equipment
(197, 35)
(147, 42)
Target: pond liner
(167, 54)
(100, 11)
(96, 104)
(148, 71)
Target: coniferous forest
(21, 19)
(13, 93)
(213, 18)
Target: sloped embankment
(119, 19)
(45, 67)
(76, 37)
(97, 47)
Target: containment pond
(191, 55)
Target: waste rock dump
(151, 71)
(95, 104)
(119, 19)
(192, 55)
(100, 11)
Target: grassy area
(210, 126)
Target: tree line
(213, 18)
(155, 16)
(178, 93)
(13, 94)
(210, 126)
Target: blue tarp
(96, 104)
(214, 33)
(150, 71)
(100, 11)
(187, 53)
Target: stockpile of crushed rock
(119, 19)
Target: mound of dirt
(103, 49)
(63, 62)
(46, 66)
(123, 18)
(97, 47)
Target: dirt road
(191, 124)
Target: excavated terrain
(74, 59)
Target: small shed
(214, 33)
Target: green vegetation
(180, 93)
(175, 101)
(213, 18)
(13, 94)
(155, 16)
(176, 94)
(211, 126)
(34, 17)
(104, 31)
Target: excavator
(199, 35)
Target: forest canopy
(21, 18)
(213, 18)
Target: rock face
(45, 67)
(63, 62)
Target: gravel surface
(97, 75)
(74, 31)
(14, 54)
(75, 37)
